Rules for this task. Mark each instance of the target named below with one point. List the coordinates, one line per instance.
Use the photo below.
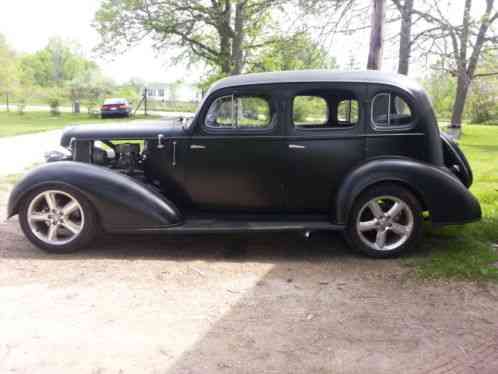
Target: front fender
(122, 203)
(441, 193)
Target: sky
(28, 24)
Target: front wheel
(385, 221)
(58, 220)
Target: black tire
(382, 193)
(88, 232)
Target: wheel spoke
(50, 199)
(36, 217)
(367, 225)
(399, 229)
(380, 240)
(70, 207)
(52, 233)
(71, 226)
(396, 209)
(375, 209)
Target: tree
(220, 33)
(9, 72)
(296, 52)
(376, 35)
(55, 65)
(405, 9)
(462, 44)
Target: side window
(310, 112)
(239, 112)
(390, 112)
(348, 112)
(253, 112)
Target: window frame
(355, 97)
(379, 127)
(358, 111)
(238, 129)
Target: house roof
(304, 76)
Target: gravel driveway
(186, 305)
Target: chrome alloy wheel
(385, 223)
(55, 217)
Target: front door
(233, 157)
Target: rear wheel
(58, 220)
(385, 221)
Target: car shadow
(239, 248)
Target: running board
(205, 226)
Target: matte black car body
(199, 179)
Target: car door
(324, 124)
(233, 156)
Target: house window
(245, 112)
(160, 92)
(390, 112)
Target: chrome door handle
(296, 146)
(196, 146)
(174, 155)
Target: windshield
(115, 101)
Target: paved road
(68, 109)
(17, 153)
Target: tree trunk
(462, 90)
(376, 36)
(405, 40)
(224, 30)
(7, 100)
(238, 39)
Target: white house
(176, 91)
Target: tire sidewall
(386, 189)
(87, 234)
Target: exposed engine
(124, 157)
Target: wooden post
(376, 35)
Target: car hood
(122, 131)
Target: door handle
(296, 146)
(197, 146)
(173, 163)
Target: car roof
(311, 76)
(115, 100)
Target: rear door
(233, 158)
(325, 142)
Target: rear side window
(239, 112)
(310, 111)
(391, 112)
(348, 112)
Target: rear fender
(440, 192)
(122, 203)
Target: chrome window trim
(380, 127)
(235, 117)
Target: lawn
(469, 251)
(12, 123)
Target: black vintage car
(292, 151)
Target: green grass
(468, 251)
(12, 123)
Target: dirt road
(185, 305)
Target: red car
(115, 108)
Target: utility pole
(376, 35)
(145, 101)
